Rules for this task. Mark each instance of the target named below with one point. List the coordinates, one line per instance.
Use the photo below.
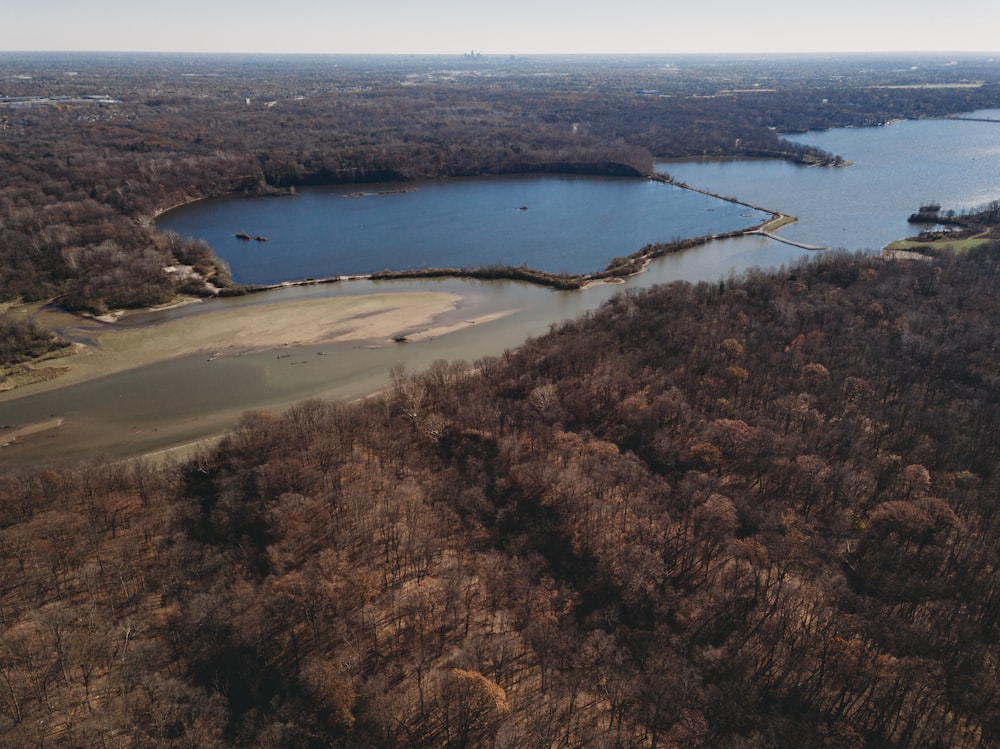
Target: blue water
(863, 206)
(555, 224)
(894, 170)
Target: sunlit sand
(375, 318)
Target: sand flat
(10, 436)
(377, 317)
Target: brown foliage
(579, 543)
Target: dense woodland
(755, 513)
(93, 146)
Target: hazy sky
(501, 27)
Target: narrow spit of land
(766, 229)
(771, 235)
(617, 270)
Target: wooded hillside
(757, 513)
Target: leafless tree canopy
(757, 513)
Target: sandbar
(10, 435)
(378, 319)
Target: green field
(958, 245)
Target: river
(186, 399)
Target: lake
(895, 169)
(550, 223)
(863, 206)
(579, 224)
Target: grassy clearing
(957, 245)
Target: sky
(496, 27)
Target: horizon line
(508, 55)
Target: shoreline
(248, 320)
(157, 212)
(115, 346)
(57, 421)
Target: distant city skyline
(501, 28)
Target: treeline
(756, 513)
(82, 178)
(984, 217)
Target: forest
(755, 513)
(760, 512)
(92, 147)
